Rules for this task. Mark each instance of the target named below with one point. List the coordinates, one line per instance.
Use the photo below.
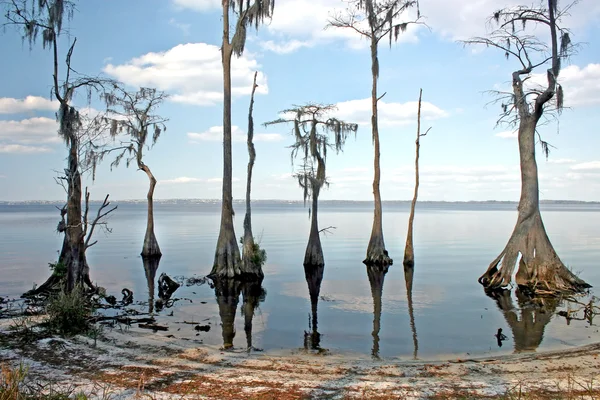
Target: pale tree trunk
(150, 248)
(227, 261)
(540, 268)
(408, 278)
(528, 330)
(73, 252)
(227, 292)
(314, 278)
(376, 274)
(376, 252)
(409, 253)
(314, 252)
(251, 268)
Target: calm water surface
(357, 313)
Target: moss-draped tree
(313, 127)
(540, 268)
(134, 121)
(376, 20)
(227, 261)
(44, 18)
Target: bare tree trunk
(73, 254)
(408, 278)
(314, 251)
(540, 268)
(376, 252)
(248, 250)
(227, 256)
(150, 248)
(409, 254)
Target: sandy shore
(129, 364)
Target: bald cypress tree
(540, 268)
(376, 20)
(45, 19)
(312, 130)
(227, 261)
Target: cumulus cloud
(215, 134)
(30, 103)
(586, 166)
(581, 85)
(197, 5)
(32, 130)
(192, 72)
(507, 134)
(187, 180)
(23, 149)
(390, 114)
(561, 161)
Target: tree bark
(251, 268)
(376, 275)
(227, 261)
(150, 247)
(408, 278)
(376, 252)
(409, 254)
(540, 268)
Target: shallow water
(454, 243)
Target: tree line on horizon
(131, 119)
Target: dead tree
(227, 261)
(540, 268)
(45, 18)
(376, 20)
(132, 115)
(312, 127)
(252, 256)
(409, 253)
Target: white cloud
(390, 114)
(197, 5)
(191, 72)
(215, 134)
(30, 103)
(507, 134)
(32, 130)
(561, 161)
(22, 149)
(587, 166)
(188, 180)
(184, 28)
(285, 47)
(581, 85)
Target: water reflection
(314, 277)
(535, 314)
(227, 293)
(376, 276)
(150, 267)
(408, 278)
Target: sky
(173, 45)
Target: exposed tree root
(541, 271)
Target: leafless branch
(327, 230)
(101, 214)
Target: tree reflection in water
(528, 321)
(376, 274)
(409, 272)
(314, 277)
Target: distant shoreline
(357, 202)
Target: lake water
(451, 315)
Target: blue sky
(174, 45)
